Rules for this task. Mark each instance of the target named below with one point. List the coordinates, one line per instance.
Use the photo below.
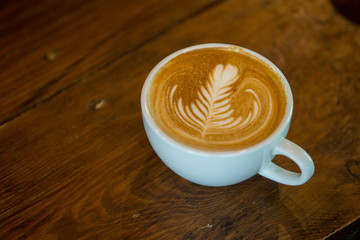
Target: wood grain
(49, 45)
(78, 165)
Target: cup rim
(273, 136)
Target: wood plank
(48, 45)
(69, 170)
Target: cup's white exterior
(212, 168)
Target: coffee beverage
(218, 99)
(217, 114)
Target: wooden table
(75, 160)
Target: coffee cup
(218, 114)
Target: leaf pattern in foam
(212, 108)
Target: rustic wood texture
(75, 160)
(80, 35)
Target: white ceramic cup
(222, 168)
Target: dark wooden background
(75, 162)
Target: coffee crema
(217, 99)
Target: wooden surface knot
(51, 55)
(96, 104)
(353, 168)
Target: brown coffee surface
(217, 99)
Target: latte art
(217, 99)
(212, 108)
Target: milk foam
(212, 109)
(217, 99)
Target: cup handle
(296, 154)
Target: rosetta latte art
(212, 109)
(217, 99)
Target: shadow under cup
(222, 168)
